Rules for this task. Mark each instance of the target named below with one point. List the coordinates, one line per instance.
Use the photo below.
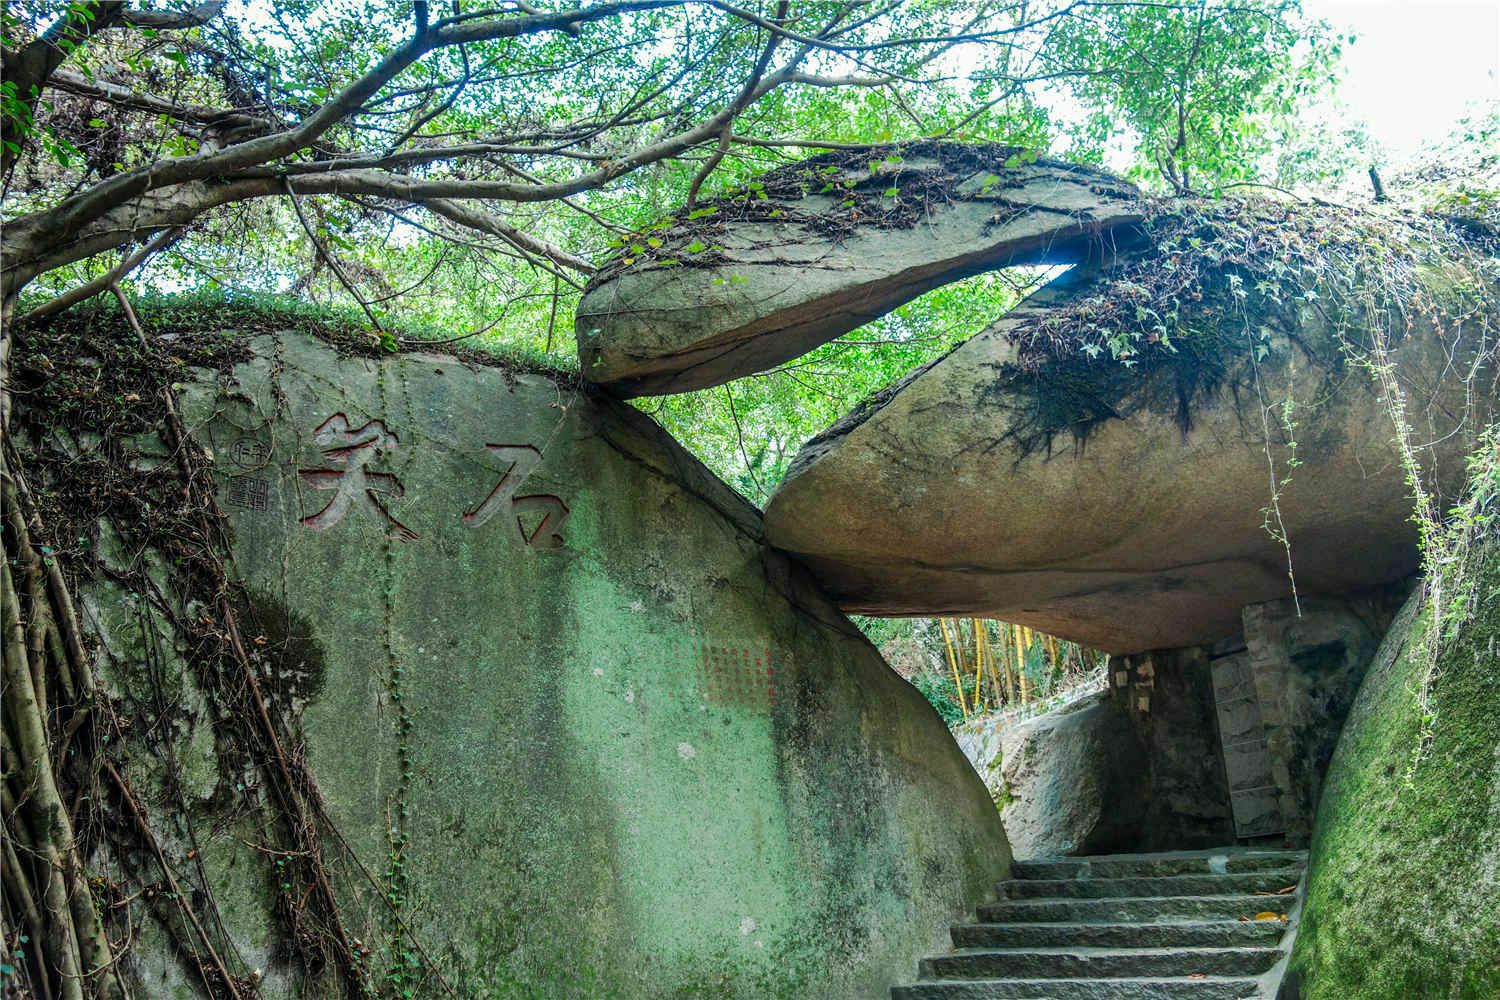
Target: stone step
(1175, 863)
(1174, 988)
(1180, 934)
(1130, 909)
(1151, 885)
(1097, 963)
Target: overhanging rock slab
(818, 248)
(1138, 508)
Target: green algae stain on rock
(582, 732)
(1405, 875)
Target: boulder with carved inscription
(562, 724)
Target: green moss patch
(1404, 896)
(834, 194)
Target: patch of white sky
(1416, 67)
(1410, 71)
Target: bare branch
(30, 69)
(328, 258)
(487, 222)
(167, 20)
(112, 93)
(106, 280)
(92, 204)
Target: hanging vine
(77, 880)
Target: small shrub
(941, 694)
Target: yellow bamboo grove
(996, 664)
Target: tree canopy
(466, 166)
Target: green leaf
(696, 247)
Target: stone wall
(1239, 734)
(584, 735)
(1306, 668)
(1168, 697)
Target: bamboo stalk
(978, 702)
(1023, 641)
(989, 656)
(953, 665)
(1006, 656)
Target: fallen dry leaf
(1268, 915)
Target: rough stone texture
(647, 757)
(1254, 793)
(1306, 668)
(983, 743)
(1169, 699)
(1145, 535)
(780, 286)
(1405, 860)
(1127, 926)
(1073, 781)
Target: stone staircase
(1122, 927)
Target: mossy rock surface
(1404, 889)
(575, 731)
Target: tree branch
(328, 258)
(74, 82)
(92, 204)
(486, 222)
(168, 20)
(106, 280)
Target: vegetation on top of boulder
(201, 314)
(881, 186)
(1166, 323)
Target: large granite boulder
(579, 733)
(1141, 502)
(817, 248)
(1410, 810)
(1073, 780)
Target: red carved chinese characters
(354, 484)
(502, 499)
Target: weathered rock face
(1401, 821)
(1130, 502)
(820, 247)
(567, 711)
(1074, 782)
(1142, 510)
